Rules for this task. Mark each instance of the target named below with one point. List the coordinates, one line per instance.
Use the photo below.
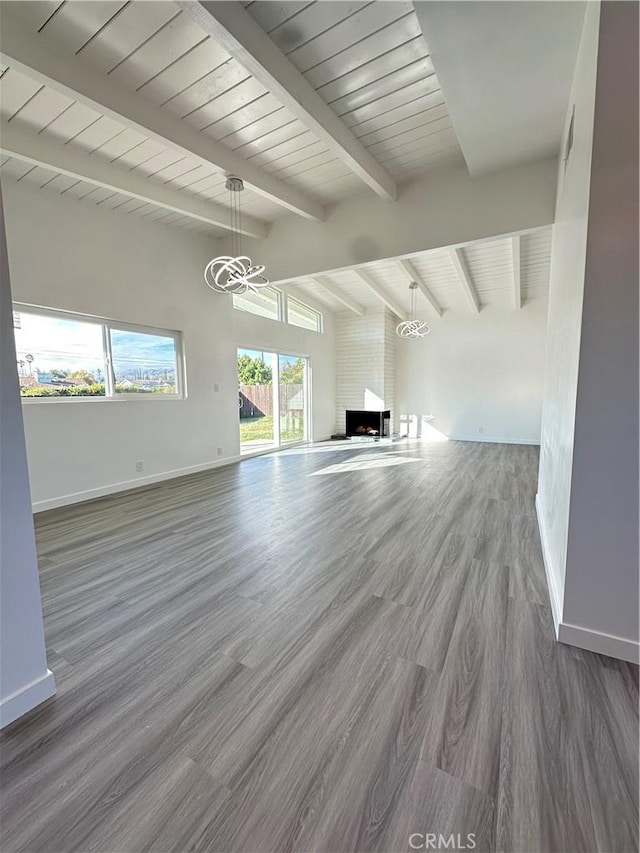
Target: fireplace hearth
(361, 424)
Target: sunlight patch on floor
(365, 462)
(419, 427)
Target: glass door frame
(306, 386)
(278, 444)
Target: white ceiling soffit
(505, 69)
(245, 40)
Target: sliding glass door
(256, 370)
(292, 371)
(272, 399)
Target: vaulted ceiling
(328, 100)
(145, 107)
(508, 271)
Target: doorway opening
(273, 399)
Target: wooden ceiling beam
(240, 35)
(411, 274)
(381, 293)
(39, 151)
(338, 294)
(460, 264)
(31, 54)
(517, 284)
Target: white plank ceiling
(490, 266)
(367, 60)
(11, 168)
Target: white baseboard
(554, 592)
(112, 488)
(575, 635)
(489, 439)
(26, 698)
(602, 644)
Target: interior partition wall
(273, 399)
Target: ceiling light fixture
(412, 328)
(235, 273)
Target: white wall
(477, 371)
(566, 287)
(73, 256)
(588, 491)
(601, 580)
(25, 680)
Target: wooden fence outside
(256, 401)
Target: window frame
(106, 325)
(320, 317)
(178, 344)
(280, 305)
(279, 445)
(283, 299)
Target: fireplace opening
(368, 424)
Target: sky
(61, 344)
(64, 344)
(131, 349)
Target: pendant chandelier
(412, 328)
(235, 273)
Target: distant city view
(60, 357)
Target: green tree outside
(293, 373)
(253, 371)
(83, 376)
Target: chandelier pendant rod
(235, 273)
(412, 328)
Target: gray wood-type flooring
(328, 649)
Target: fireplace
(372, 424)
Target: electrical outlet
(481, 429)
(219, 451)
(216, 387)
(139, 466)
